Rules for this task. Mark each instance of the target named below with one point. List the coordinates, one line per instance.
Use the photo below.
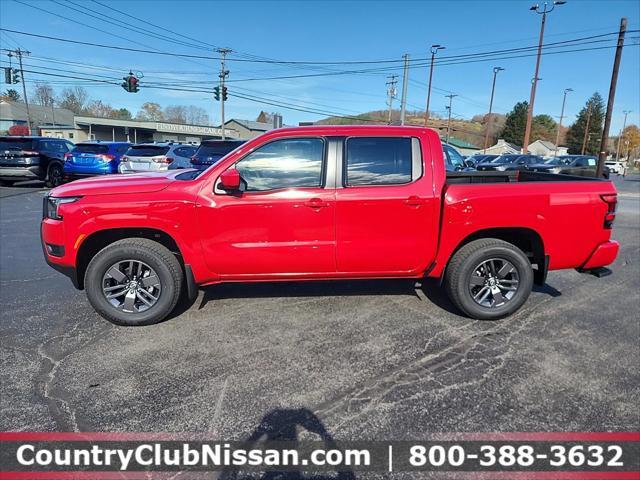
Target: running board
(597, 272)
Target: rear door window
(16, 144)
(378, 161)
(90, 148)
(147, 150)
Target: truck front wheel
(489, 279)
(133, 282)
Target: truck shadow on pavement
(427, 290)
(285, 425)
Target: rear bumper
(76, 171)
(30, 173)
(605, 254)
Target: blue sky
(327, 31)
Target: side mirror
(230, 180)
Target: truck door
(283, 223)
(386, 210)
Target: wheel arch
(101, 238)
(526, 239)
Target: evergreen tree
(575, 134)
(515, 123)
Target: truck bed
(514, 177)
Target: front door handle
(316, 203)
(414, 201)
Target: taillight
(106, 158)
(67, 156)
(162, 159)
(29, 152)
(611, 200)
(194, 159)
(124, 158)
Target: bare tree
(43, 94)
(150, 111)
(196, 115)
(175, 114)
(98, 108)
(74, 99)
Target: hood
(144, 182)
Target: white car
(156, 157)
(615, 167)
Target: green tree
(543, 127)
(576, 132)
(122, 114)
(515, 123)
(11, 94)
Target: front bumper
(52, 234)
(605, 254)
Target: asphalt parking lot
(373, 360)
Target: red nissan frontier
(324, 203)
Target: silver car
(157, 157)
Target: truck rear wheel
(133, 282)
(489, 279)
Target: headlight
(554, 170)
(52, 204)
(501, 168)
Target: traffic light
(216, 93)
(130, 83)
(224, 93)
(11, 75)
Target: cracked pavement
(374, 360)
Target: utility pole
(20, 53)
(391, 94)
(405, 81)
(223, 75)
(624, 125)
(534, 82)
(564, 99)
(493, 89)
(450, 97)
(434, 50)
(602, 157)
(586, 130)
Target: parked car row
(55, 160)
(582, 165)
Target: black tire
(153, 254)
(6, 183)
(464, 264)
(55, 175)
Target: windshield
(90, 148)
(16, 144)
(505, 159)
(214, 149)
(147, 150)
(554, 161)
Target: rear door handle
(316, 203)
(414, 201)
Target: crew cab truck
(320, 203)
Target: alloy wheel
(494, 282)
(131, 286)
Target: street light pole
(434, 50)
(544, 11)
(586, 129)
(564, 99)
(624, 125)
(493, 89)
(450, 97)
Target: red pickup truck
(319, 203)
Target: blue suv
(88, 159)
(210, 151)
